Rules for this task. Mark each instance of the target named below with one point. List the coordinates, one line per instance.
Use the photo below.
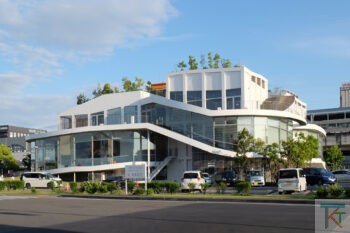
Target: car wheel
(27, 186)
(280, 193)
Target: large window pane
(81, 120)
(114, 116)
(97, 118)
(194, 98)
(176, 95)
(130, 114)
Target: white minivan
(194, 177)
(291, 180)
(39, 179)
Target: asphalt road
(69, 215)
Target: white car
(342, 175)
(39, 179)
(194, 177)
(291, 180)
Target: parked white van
(39, 179)
(291, 180)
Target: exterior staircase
(160, 166)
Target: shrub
(139, 191)
(131, 186)
(220, 187)
(83, 186)
(157, 186)
(33, 190)
(335, 191)
(112, 187)
(172, 187)
(205, 187)
(73, 187)
(243, 187)
(51, 185)
(347, 192)
(322, 192)
(150, 191)
(103, 187)
(2, 185)
(191, 186)
(92, 187)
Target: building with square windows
(192, 126)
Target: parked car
(194, 177)
(256, 178)
(318, 176)
(39, 179)
(207, 178)
(342, 175)
(291, 180)
(228, 177)
(118, 180)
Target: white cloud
(84, 26)
(37, 38)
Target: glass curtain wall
(46, 154)
(194, 98)
(114, 116)
(97, 118)
(130, 114)
(233, 98)
(176, 95)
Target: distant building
(14, 137)
(336, 122)
(345, 95)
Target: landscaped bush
(347, 192)
(157, 186)
(322, 192)
(243, 187)
(73, 187)
(131, 186)
(220, 187)
(11, 185)
(150, 191)
(191, 186)
(335, 191)
(51, 185)
(139, 191)
(112, 187)
(172, 187)
(204, 187)
(103, 187)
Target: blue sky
(50, 51)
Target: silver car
(342, 175)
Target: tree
(148, 87)
(7, 161)
(244, 143)
(216, 60)
(26, 161)
(181, 65)
(81, 98)
(210, 60)
(299, 150)
(97, 92)
(107, 89)
(203, 62)
(272, 160)
(226, 63)
(192, 63)
(334, 157)
(133, 86)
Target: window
(114, 116)
(176, 95)
(253, 79)
(97, 118)
(320, 117)
(130, 114)
(66, 122)
(214, 100)
(81, 120)
(258, 81)
(233, 98)
(194, 98)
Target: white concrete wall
(182, 161)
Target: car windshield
(190, 175)
(285, 174)
(255, 173)
(206, 175)
(49, 175)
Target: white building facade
(192, 128)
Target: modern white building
(192, 128)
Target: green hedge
(11, 185)
(243, 187)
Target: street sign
(135, 172)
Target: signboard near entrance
(135, 172)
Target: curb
(151, 198)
